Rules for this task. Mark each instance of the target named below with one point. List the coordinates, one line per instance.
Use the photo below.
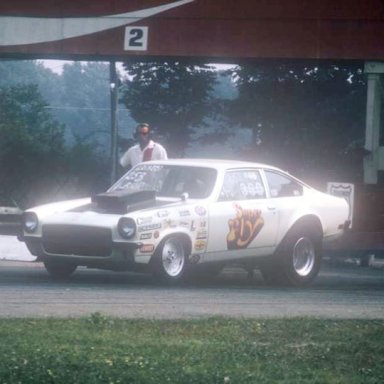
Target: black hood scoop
(122, 201)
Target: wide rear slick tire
(60, 270)
(171, 262)
(298, 259)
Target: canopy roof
(230, 29)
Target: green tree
(79, 97)
(84, 105)
(173, 97)
(35, 164)
(305, 117)
(30, 72)
(31, 143)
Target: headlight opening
(30, 222)
(126, 227)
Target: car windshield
(168, 180)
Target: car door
(242, 222)
(287, 197)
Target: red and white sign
(327, 29)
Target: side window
(242, 185)
(282, 186)
(197, 182)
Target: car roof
(213, 163)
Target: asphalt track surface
(342, 290)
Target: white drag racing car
(173, 217)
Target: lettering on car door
(242, 220)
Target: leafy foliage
(84, 105)
(31, 142)
(172, 96)
(26, 72)
(304, 116)
(35, 164)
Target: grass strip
(101, 349)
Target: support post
(114, 88)
(372, 128)
(372, 163)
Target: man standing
(145, 150)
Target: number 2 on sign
(136, 39)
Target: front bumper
(112, 256)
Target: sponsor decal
(244, 227)
(203, 224)
(144, 220)
(202, 234)
(147, 248)
(162, 213)
(185, 213)
(149, 227)
(170, 223)
(201, 211)
(145, 236)
(193, 226)
(346, 190)
(156, 234)
(200, 245)
(184, 224)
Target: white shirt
(135, 154)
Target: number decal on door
(136, 39)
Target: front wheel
(59, 269)
(171, 261)
(297, 261)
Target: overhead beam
(230, 29)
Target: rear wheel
(303, 257)
(171, 260)
(59, 269)
(298, 260)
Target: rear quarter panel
(331, 212)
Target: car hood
(113, 203)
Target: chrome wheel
(173, 257)
(304, 256)
(298, 258)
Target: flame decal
(244, 227)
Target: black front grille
(11, 218)
(77, 240)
